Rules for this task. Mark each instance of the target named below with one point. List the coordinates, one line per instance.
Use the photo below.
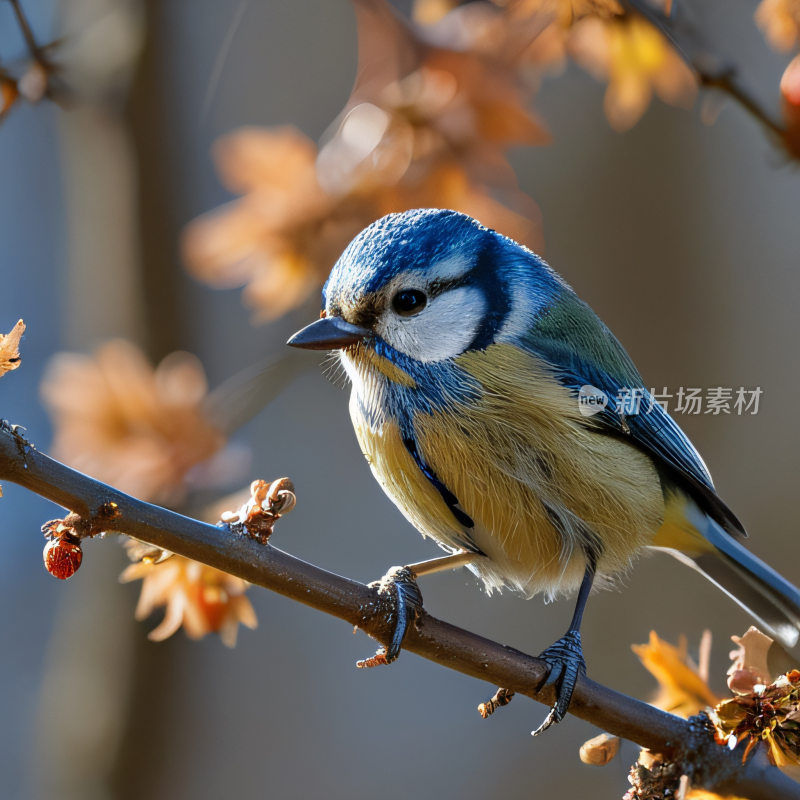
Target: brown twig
(27, 33)
(712, 71)
(684, 741)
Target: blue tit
(469, 358)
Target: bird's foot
(565, 658)
(402, 603)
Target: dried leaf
(749, 666)
(636, 60)
(9, 348)
(428, 123)
(682, 687)
(144, 430)
(780, 21)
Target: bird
(490, 403)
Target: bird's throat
(365, 358)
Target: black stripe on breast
(449, 498)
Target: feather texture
(580, 350)
(540, 486)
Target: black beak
(328, 333)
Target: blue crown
(412, 240)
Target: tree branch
(679, 740)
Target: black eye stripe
(409, 302)
(442, 285)
(371, 308)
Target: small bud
(599, 750)
(62, 556)
(33, 84)
(266, 504)
(280, 498)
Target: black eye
(409, 301)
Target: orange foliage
(139, 428)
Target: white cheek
(443, 329)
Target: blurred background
(682, 235)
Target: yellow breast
(529, 472)
(403, 481)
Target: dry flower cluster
(198, 598)
(435, 108)
(202, 599)
(140, 429)
(763, 708)
(429, 123)
(426, 125)
(616, 45)
(147, 432)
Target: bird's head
(426, 286)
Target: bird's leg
(565, 657)
(433, 565)
(398, 588)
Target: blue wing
(581, 351)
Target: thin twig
(54, 89)
(712, 71)
(680, 740)
(26, 31)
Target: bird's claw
(402, 599)
(565, 658)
